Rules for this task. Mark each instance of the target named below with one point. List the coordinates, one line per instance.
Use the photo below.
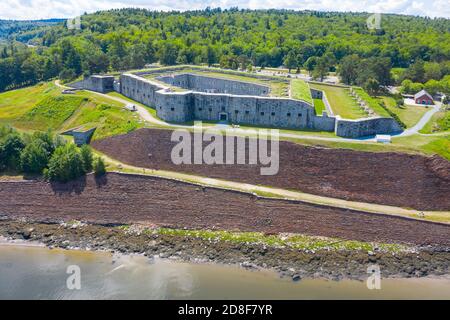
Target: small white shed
(383, 138)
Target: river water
(35, 272)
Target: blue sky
(42, 9)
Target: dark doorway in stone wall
(223, 116)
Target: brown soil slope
(128, 198)
(385, 178)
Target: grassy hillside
(409, 115)
(51, 112)
(440, 122)
(15, 104)
(108, 116)
(42, 107)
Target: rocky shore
(288, 261)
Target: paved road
(422, 122)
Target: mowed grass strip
(373, 103)
(300, 90)
(319, 106)
(341, 102)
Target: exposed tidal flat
(133, 261)
(36, 272)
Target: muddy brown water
(35, 272)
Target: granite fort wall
(261, 111)
(239, 109)
(96, 83)
(140, 89)
(366, 127)
(201, 83)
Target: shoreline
(297, 264)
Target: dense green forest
(319, 42)
(13, 28)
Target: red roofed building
(423, 97)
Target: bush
(65, 164)
(10, 150)
(5, 130)
(99, 167)
(86, 155)
(34, 158)
(48, 140)
(400, 102)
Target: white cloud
(42, 9)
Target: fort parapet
(205, 98)
(98, 83)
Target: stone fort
(184, 97)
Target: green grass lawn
(107, 115)
(440, 122)
(341, 102)
(121, 96)
(43, 107)
(415, 144)
(305, 132)
(16, 103)
(319, 106)
(410, 115)
(300, 90)
(373, 103)
(51, 112)
(428, 145)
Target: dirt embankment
(397, 179)
(119, 198)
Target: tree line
(320, 42)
